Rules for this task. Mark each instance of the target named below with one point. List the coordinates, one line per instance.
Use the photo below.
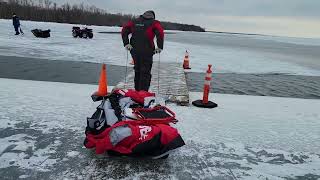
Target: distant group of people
(141, 45)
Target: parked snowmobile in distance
(82, 33)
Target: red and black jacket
(143, 32)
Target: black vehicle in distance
(82, 33)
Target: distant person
(142, 47)
(16, 23)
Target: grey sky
(277, 17)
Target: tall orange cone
(186, 61)
(205, 103)
(103, 85)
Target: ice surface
(247, 137)
(268, 122)
(293, 40)
(73, 153)
(108, 48)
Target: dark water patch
(57, 71)
(278, 85)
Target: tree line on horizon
(47, 11)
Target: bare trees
(45, 10)
(47, 4)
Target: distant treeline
(47, 11)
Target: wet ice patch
(18, 142)
(289, 124)
(73, 154)
(202, 161)
(24, 177)
(238, 161)
(20, 150)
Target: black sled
(41, 33)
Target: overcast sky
(300, 18)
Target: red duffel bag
(135, 138)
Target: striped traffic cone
(186, 61)
(103, 85)
(205, 103)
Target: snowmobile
(132, 123)
(41, 33)
(82, 33)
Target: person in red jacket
(142, 47)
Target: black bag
(41, 33)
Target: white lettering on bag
(144, 132)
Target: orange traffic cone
(186, 61)
(205, 103)
(103, 85)
(132, 62)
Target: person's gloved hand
(157, 50)
(128, 47)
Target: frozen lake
(246, 137)
(228, 53)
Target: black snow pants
(142, 70)
(16, 28)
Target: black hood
(149, 15)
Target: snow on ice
(108, 48)
(247, 137)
